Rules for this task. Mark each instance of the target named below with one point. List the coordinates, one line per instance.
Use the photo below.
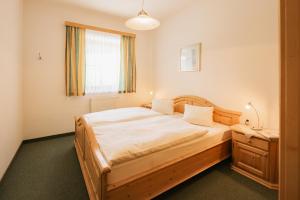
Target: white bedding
(118, 115)
(121, 142)
(127, 171)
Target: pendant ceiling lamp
(142, 21)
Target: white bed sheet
(126, 172)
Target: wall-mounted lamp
(248, 107)
(151, 93)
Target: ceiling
(128, 8)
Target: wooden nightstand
(147, 105)
(255, 154)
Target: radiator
(101, 103)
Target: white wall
(47, 110)
(10, 81)
(240, 55)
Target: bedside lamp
(248, 107)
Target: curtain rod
(94, 28)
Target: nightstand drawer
(251, 159)
(254, 142)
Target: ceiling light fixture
(142, 21)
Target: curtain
(102, 62)
(127, 82)
(75, 61)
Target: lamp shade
(248, 106)
(142, 22)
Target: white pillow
(198, 115)
(164, 106)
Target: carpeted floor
(49, 170)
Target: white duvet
(118, 115)
(121, 142)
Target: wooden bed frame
(95, 167)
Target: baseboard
(47, 137)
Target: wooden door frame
(290, 100)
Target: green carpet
(49, 170)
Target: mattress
(128, 171)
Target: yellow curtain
(128, 65)
(75, 61)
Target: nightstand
(255, 154)
(147, 105)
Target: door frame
(290, 100)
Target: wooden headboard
(220, 115)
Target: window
(99, 60)
(102, 62)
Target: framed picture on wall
(190, 58)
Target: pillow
(198, 115)
(164, 106)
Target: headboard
(220, 115)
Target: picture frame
(190, 58)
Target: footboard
(152, 184)
(92, 162)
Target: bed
(144, 174)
